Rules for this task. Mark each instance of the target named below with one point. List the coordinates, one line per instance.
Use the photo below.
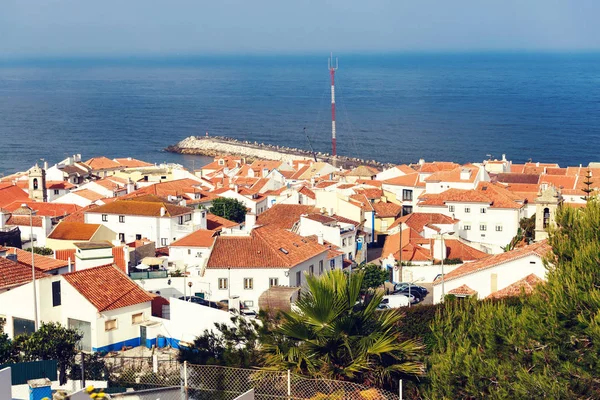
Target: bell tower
(548, 200)
(37, 184)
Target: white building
(488, 275)
(147, 216)
(333, 229)
(257, 203)
(407, 188)
(246, 266)
(103, 303)
(192, 251)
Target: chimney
(537, 164)
(503, 157)
(236, 188)
(163, 211)
(265, 172)
(250, 222)
(45, 165)
(130, 186)
(70, 267)
(465, 174)
(320, 238)
(421, 161)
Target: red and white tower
(333, 66)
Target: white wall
(189, 256)
(126, 329)
(5, 384)
(332, 234)
(73, 198)
(507, 274)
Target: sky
(80, 28)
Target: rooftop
(73, 231)
(146, 206)
(199, 238)
(283, 216)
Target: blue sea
(390, 107)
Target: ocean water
(391, 107)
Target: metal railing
(148, 275)
(199, 382)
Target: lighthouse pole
(333, 66)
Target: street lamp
(442, 258)
(35, 312)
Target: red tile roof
(141, 206)
(454, 175)
(13, 274)
(23, 220)
(132, 163)
(199, 238)
(488, 193)
(42, 263)
(102, 163)
(107, 288)
(266, 247)
(540, 249)
(417, 221)
(525, 285)
(79, 215)
(119, 258)
(360, 200)
(363, 170)
(386, 210)
(307, 192)
(45, 209)
(463, 290)
(435, 166)
(283, 216)
(10, 193)
(59, 185)
(65, 255)
(88, 194)
(410, 180)
(457, 249)
(216, 223)
(73, 231)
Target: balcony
(148, 275)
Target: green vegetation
(374, 277)
(525, 234)
(231, 209)
(42, 251)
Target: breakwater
(215, 146)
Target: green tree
(545, 346)
(51, 341)
(374, 277)
(6, 348)
(525, 233)
(588, 189)
(231, 209)
(332, 335)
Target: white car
(396, 300)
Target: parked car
(201, 301)
(395, 301)
(404, 288)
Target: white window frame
(104, 217)
(110, 321)
(482, 210)
(451, 209)
(498, 228)
(467, 210)
(122, 219)
(483, 227)
(273, 282)
(467, 227)
(135, 316)
(248, 283)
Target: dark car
(404, 288)
(200, 300)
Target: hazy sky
(42, 28)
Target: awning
(153, 261)
(277, 298)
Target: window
(110, 325)
(189, 252)
(121, 218)
(467, 210)
(248, 283)
(104, 218)
(249, 303)
(137, 318)
(35, 184)
(482, 227)
(55, 293)
(298, 278)
(407, 195)
(483, 210)
(188, 217)
(56, 191)
(320, 267)
(350, 256)
(222, 283)
(344, 242)
(138, 236)
(406, 210)
(122, 237)
(273, 282)
(164, 242)
(180, 220)
(332, 264)
(451, 208)
(311, 270)
(467, 227)
(546, 217)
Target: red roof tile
(463, 290)
(23, 220)
(525, 285)
(386, 210)
(283, 216)
(540, 249)
(73, 231)
(10, 193)
(119, 258)
(107, 288)
(65, 255)
(132, 163)
(199, 238)
(266, 247)
(141, 206)
(216, 223)
(410, 180)
(417, 221)
(102, 163)
(45, 209)
(13, 274)
(42, 263)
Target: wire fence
(204, 382)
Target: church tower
(548, 200)
(37, 184)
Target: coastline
(215, 146)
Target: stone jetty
(215, 146)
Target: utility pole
(333, 66)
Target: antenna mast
(333, 66)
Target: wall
(331, 234)
(127, 333)
(507, 274)
(179, 255)
(89, 258)
(102, 234)
(5, 384)
(427, 272)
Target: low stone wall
(215, 146)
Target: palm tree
(331, 334)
